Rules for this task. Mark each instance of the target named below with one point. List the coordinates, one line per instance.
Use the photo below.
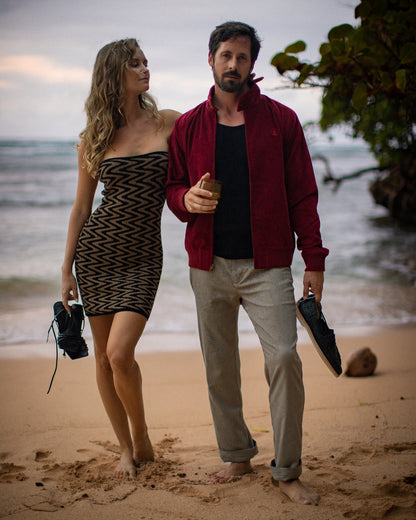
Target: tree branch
(330, 178)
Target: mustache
(233, 73)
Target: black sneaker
(70, 327)
(310, 314)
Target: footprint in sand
(400, 447)
(42, 504)
(41, 455)
(359, 455)
(93, 478)
(356, 455)
(167, 443)
(108, 446)
(9, 472)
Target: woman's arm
(81, 210)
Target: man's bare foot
(143, 451)
(235, 469)
(299, 493)
(126, 467)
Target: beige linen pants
(268, 298)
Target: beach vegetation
(367, 74)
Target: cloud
(6, 84)
(41, 68)
(47, 51)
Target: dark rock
(361, 362)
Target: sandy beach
(58, 451)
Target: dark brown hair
(229, 30)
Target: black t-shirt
(232, 226)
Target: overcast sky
(48, 48)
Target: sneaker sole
(315, 344)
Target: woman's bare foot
(235, 469)
(126, 467)
(143, 451)
(299, 493)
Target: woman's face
(136, 74)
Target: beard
(230, 84)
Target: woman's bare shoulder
(169, 116)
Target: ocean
(371, 270)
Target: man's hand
(197, 200)
(314, 281)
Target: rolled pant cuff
(290, 473)
(239, 455)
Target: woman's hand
(69, 290)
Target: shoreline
(152, 341)
(359, 451)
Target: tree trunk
(397, 191)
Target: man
(241, 247)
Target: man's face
(231, 64)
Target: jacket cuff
(178, 207)
(315, 261)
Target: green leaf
(359, 97)
(284, 62)
(337, 47)
(401, 79)
(275, 60)
(340, 32)
(358, 39)
(408, 53)
(386, 80)
(363, 10)
(296, 47)
(325, 48)
(322, 68)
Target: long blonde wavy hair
(103, 105)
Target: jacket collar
(250, 98)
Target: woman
(117, 249)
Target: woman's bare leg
(126, 329)
(119, 336)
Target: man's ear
(210, 60)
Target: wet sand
(58, 451)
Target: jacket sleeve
(302, 196)
(177, 183)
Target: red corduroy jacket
(283, 192)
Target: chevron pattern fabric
(119, 254)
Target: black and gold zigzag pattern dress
(118, 259)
